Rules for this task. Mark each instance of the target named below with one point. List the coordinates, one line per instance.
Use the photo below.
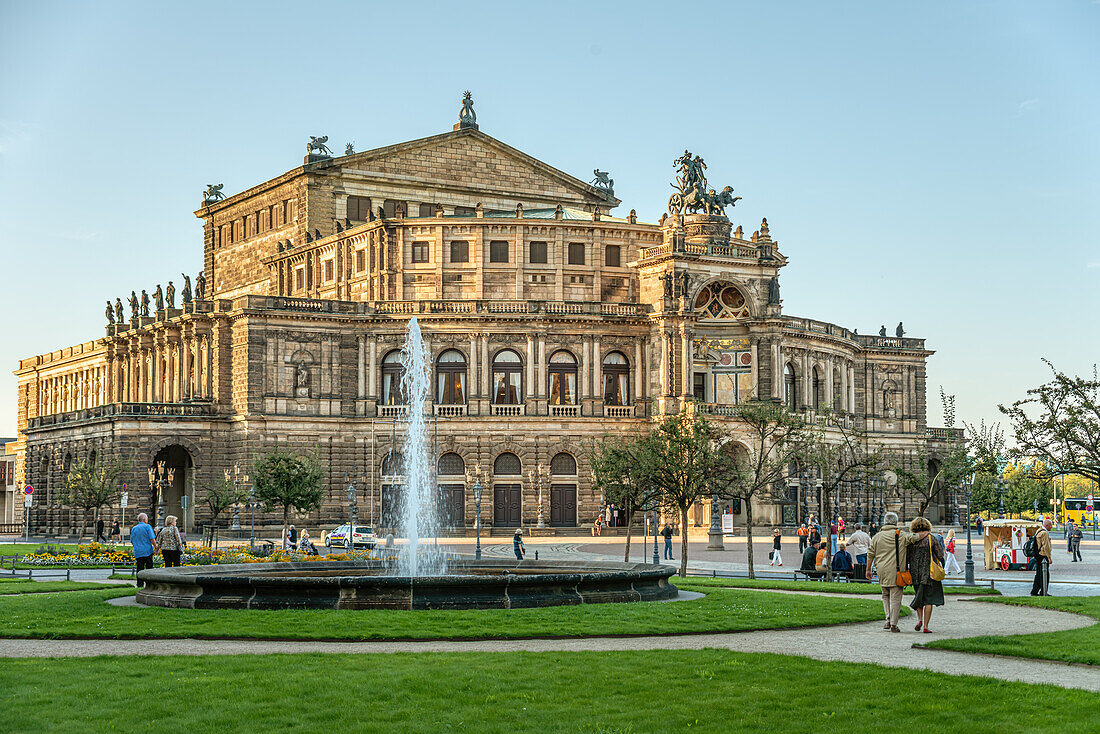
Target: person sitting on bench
(842, 561)
(809, 561)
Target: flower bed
(96, 554)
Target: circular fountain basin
(487, 584)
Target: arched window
(507, 378)
(616, 379)
(790, 392)
(393, 465)
(563, 464)
(563, 378)
(819, 390)
(451, 465)
(507, 464)
(838, 393)
(392, 372)
(721, 301)
(450, 371)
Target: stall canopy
(1009, 533)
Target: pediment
(470, 159)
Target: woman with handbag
(952, 565)
(777, 540)
(170, 542)
(925, 559)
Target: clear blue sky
(930, 162)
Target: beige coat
(881, 553)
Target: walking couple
(904, 558)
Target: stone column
(755, 369)
(829, 382)
(686, 365)
(529, 388)
(597, 368)
(372, 376)
(485, 387)
(851, 389)
(362, 387)
(540, 372)
(637, 369)
(585, 380)
(777, 371)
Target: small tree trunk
(748, 533)
(629, 517)
(829, 539)
(683, 541)
(286, 521)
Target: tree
(90, 486)
(285, 479)
(222, 495)
(615, 462)
(913, 478)
(774, 438)
(679, 458)
(843, 454)
(1059, 424)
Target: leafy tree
(285, 479)
(221, 495)
(913, 477)
(679, 459)
(1059, 424)
(615, 462)
(842, 452)
(90, 486)
(773, 437)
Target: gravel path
(864, 642)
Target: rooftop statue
(692, 192)
(133, 305)
(317, 145)
(120, 316)
(186, 288)
(110, 312)
(604, 181)
(158, 297)
(349, 149)
(773, 292)
(170, 295)
(144, 302)
(466, 116)
(212, 194)
(200, 286)
(882, 330)
(900, 330)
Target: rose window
(721, 301)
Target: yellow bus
(1073, 508)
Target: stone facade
(552, 323)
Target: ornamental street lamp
(538, 477)
(656, 558)
(999, 483)
(161, 477)
(969, 565)
(236, 506)
(349, 541)
(475, 477)
(859, 500)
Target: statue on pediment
(120, 315)
(317, 146)
(604, 181)
(144, 302)
(213, 194)
(170, 295)
(200, 286)
(692, 192)
(133, 306)
(110, 313)
(186, 288)
(158, 297)
(466, 116)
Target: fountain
(422, 577)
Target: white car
(361, 537)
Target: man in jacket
(881, 554)
(1043, 558)
(1075, 539)
(857, 545)
(842, 560)
(144, 541)
(667, 533)
(809, 560)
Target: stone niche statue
(186, 288)
(301, 380)
(773, 292)
(692, 192)
(170, 295)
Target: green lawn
(602, 692)
(23, 586)
(830, 588)
(86, 614)
(11, 549)
(1071, 646)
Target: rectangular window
(391, 208)
(427, 210)
(498, 251)
(576, 253)
(299, 279)
(611, 256)
(699, 386)
(328, 270)
(538, 252)
(465, 211)
(460, 251)
(420, 252)
(360, 260)
(288, 212)
(359, 208)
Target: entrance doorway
(452, 506)
(563, 505)
(176, 457)
(506, 505)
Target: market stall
(1004, 543)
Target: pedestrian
(1076, 539)
(99, 531)
(144, 541)
(927, 589)
(815, 534)
(840, 527)
(887, 555)
(599, 524)
(803, 537)
(170, 542)
(980, 525)
(667, 533)
(857, 546)
(607, 515)
(952, 565)
(116, 532)
(842, 560)
(1067, 533)
(833, 537)
(517, 544)
(777, 541)
(292, 537)
(1043, 559)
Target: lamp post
(715, 532)
(656, 557)
(859, 501)
(538, 477)
(969, 565)
(349, 541)
(475, 477)
(1000, 485)
(236, 505)
(161, 477)
(252, 508)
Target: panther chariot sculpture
(692, 193)
(317, 145)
